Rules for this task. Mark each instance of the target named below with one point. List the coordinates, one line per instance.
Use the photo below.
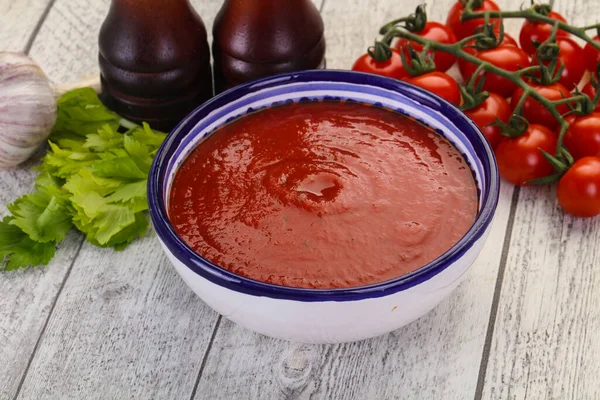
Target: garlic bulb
(27, 108)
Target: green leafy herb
(43, 215)
(93, 178)
(81, 113)
(19, 251)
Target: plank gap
(205, 358)
(496, 298)
(322, 6)
(37, 28)
(39, 339)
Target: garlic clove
(27, 108)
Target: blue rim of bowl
(238, 283)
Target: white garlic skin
(27, 108)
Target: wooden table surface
(96, 324)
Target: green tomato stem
(519, 106)
(590, 27)
(473, 80)
(516, 77)
(534, 13)
(466, 40)
(573, 99)
(528, 70)
(564, 125)
(456, 49)
(531, 15)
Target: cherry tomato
(392, 68)
(582, 139)
(495, 106)
(571, 55)
(520, 160)
(536, 113)
(578, 191)
(510, 58)
(438, 32)
(592, 56)
(462, 30)
(538, 32)
(439, 83)
(591, 92)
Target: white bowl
(322, 315)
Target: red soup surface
(323, 195)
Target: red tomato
(439, 83)
(592, 56)
(440, 33)
(534, 112)
(582, 139)
(520, 160)
(495, 106)
(538, 32)
(510, 58)
(590, 91)
(392, 68)
(578, 191)
(462, 30)
(571, 55)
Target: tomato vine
(490, 36)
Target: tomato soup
(323, 195)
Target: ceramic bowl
(319, 315)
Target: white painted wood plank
(67, 44)
(26, 301)
(437, 357)
(547, 333)
(73, 28)
(545, 342)
(18, 19)
(67, 50)
(27, 296)
(125, 325)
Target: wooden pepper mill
(258, 38)
(154, 61)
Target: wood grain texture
(26, 301)
(437, 357)
(27, 296)
(18, 20)
(125, 325)
(547, 333)
(67, 43)
(133, 329)
(545, 343)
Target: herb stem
(128, 124)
